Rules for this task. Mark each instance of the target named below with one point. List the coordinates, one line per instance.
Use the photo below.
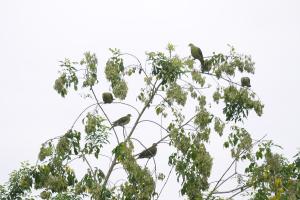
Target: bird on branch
(197, 54)
(122, 121)
(107, 97)
(148, 153)
(245, 81)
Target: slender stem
(90, 166)
(114, 162)
(142, 112)
(234, 161)
(81, 114)
(165, 182)
(139, 143)
(229, 177)
(225, 79)
(184, 124)
(241, 188)
(126, 104)
(140, 64)
(104, 114)
(146, 120)
(217, 185)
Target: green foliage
(238, 102)
(203, 118)
(140, 184)
(91, 62)
(165, 68)
(66, 196)
(240, 142)
(54, 177)
(275, 178)
(175, 93)
(20, 183)
(186, 101)
(90, 184)
(114, 71)
(97, 134)
(45, 151)
(198, 78)
(229, 64)
(68, 144)
(192, 162)
(217, 96)
(219, 126)
(69, 74)
(67, 78)
(120, 89)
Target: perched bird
(107, 97)
(122, 121)
(245, 81)
(149, 153)
(197, 54)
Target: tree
(188, 106)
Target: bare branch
(104, 113)
(165, 182)
(154, 90)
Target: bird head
(191, 45)
(129, 115)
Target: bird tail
(202, 63)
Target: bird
(245, 81)
(148, 153)
(107, 97)
(197, 54)
(122, 121)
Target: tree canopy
(186, 104)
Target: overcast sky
(35, 35)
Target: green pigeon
(107, 97)
(148, 153)
(245, 81)
(197, 54)
(122, 121)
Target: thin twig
(104, 114)
(184, 124)
(151, 121)
(154, 90)
(235, 160)
(233, 190)
(165, 182)
(92, 171)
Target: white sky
(35, 35)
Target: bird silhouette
(149, 153)
(122, 121)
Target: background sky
(35, 35)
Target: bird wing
(148, 153)
(123, 120)
(200, 56)
(197, 54)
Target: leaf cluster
(185, 98)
